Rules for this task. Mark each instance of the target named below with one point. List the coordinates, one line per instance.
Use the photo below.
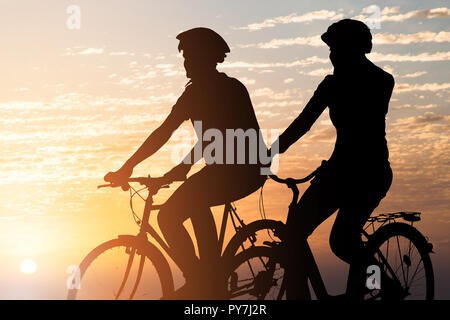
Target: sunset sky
(76, 103)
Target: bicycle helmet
(353, 34)
(204, 41)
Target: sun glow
(28, 266)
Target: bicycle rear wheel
(256, 274)
(403, 255)
(122, 268)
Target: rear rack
(387, 217)
(384, 218)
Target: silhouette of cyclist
(220, 103)
(358, 174)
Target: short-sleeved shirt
(358, 103)
(221, 103)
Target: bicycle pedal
(233, 281)
(272, 243)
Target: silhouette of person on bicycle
(219, 103)
(358, 174)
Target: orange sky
(75, 104)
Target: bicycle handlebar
(292, 181)
(159, 182)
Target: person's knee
(346, 245)
(169, 216)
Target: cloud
(269, 93)
(422, 57)
(419, 37)
(420, 122)
(247, 81)
(323, 135)
(317, 72)
(314, 41)
(293, 18)
(433, 87)
(82, 51)
(262, 65)
(388, 14)
(121, 53)
(378, 39)
(409, 106)
(376, 57)
(91, 51)
(393, 14)
(427, 13)
(414, 75)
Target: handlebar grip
(104, 185)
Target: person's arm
(152, 144)
(179, 172)
(303, 123)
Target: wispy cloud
(375, 56)
(388, 14)
(426, 13)
(378, 39)
(409, 106)
(414, 74)
(317, 72)
(259, 65)
(293, 18)
(393, 14)
(419, 37)
(422, 57)
(314, 41)
(417, 122)
(83, 51)
(91, 51)
(433, 87)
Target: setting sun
(28, 266)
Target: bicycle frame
(146, 228)
(312, 269)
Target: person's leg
(170, 220)
(315, 206)
(345, 237)
(206, 188)
(347, 245)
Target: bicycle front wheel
(256, 274)
(122, 268)
(403, 254)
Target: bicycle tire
(262, 282)
(236, 242)
(398, 229)
(142, 248)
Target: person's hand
(120, 177)
(178, 173)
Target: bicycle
(98, 269)
(397, 266)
